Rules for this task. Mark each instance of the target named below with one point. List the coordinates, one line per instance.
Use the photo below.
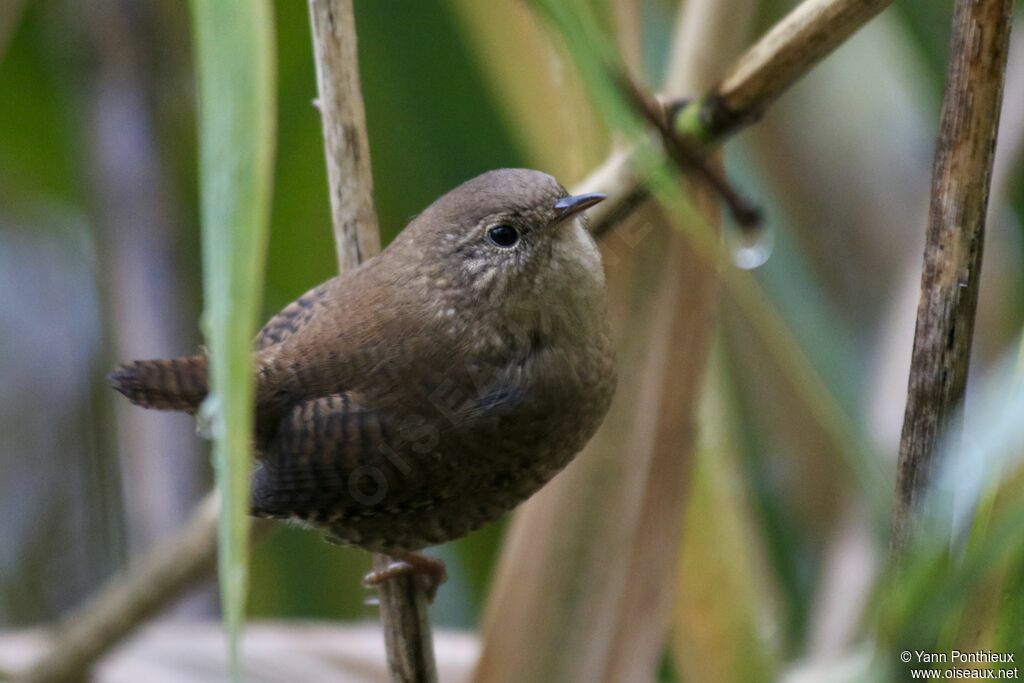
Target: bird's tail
(178, 384)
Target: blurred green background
(99, 263)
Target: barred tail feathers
(178, 384)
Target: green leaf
(235, 68)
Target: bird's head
(510, 237)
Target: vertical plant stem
(707, 34)
(349, 177)
(407, 632)
(403, 603)
(952, 259)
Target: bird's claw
(429, 571)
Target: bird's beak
(572, 205)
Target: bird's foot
(429, 571)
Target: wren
(438, 385)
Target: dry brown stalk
(961, 177)
(403, 603)
(808, 34)
(340, 99)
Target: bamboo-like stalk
(812, 31)
(952, 259)
(614, 177)
(403, 602)
(340, 97)
(788, 51)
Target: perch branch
(688, 157)
(790, 49)
(808, 34)
(952, 258)
(349, 177)
(403, 603)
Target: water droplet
(750, 249)
(207, 416)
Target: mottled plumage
(421, 395)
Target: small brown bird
(433, 388)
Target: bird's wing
(334, 457)
(292, 317)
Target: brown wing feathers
(292, 318)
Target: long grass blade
(235, 69)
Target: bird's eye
(503, 235)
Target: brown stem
(340, 97)
(403, 604)
(789, 50)
(407, 633)
(952, 258)
(688, 157)
(808, 34)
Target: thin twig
(786, 53)
(407, 632)
(688, 157)
(340, 97)
(403, 603)
(953, 250)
